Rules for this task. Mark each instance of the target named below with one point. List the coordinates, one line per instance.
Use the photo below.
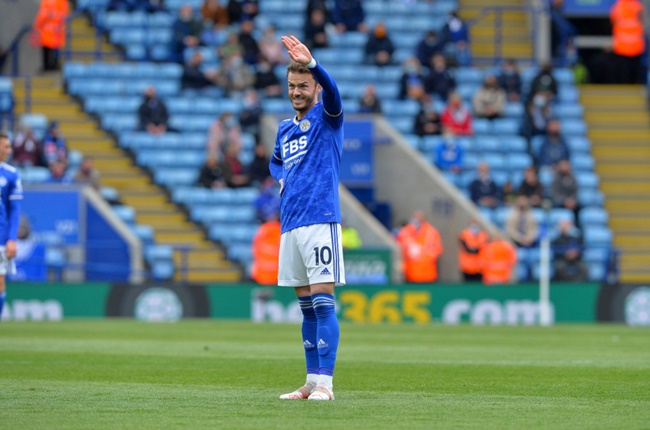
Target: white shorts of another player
(7, 265)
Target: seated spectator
(315, 30)
(554, 149)
(152, 113)
(194, 77)
(509, 194)
(483, 190)
(271, 48)
(224, 130)
(266, 251)
(379, 47)
(564, 188)
(498, 260)
(562, 32)
(350, 236)
(521, 225)
(268, 201)
(26, 148)
(429, 46)
(258, 170)
(427, 121)
(321, 5)
(544, 82)
(455, 33)
(532, 188)
(411, 83)
(348, 15)
(567, 250)
(248, 42)
(510, 80)
(457, 117)
(232, 167)
(368, 102)
(230, 47)
(234, 75)
(215, 13)
(439, 83)
(449, 154)
(251, 113)
(489, 101)
(211, 175)
(187, 32)
(242, 10)
(470, 242)
(87, 173)
(267, 81)
(421, 247)
(54, 146)
(57, 173)
(135, 5)
(537, 115)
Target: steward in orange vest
(470, 242)
(266, 252)
(498, 259)
(49, 28)
(628, 42)
(421, 247)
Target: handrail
(13, 48)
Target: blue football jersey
(12, 192)
(309, 153)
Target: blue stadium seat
(481, 126)
(591, 198)
(582, 162)
(597, 271)
(596, 254)
(505, 126)
(144, 232)
(518, 161)
(175, 176)
(578, 144)
(597, 235)
(568, 110)
(513, 144)
(587, 180)
(469, 75)
(485, 143)
(593, 216)
(573, 127)
(125, 213)
(514, 110)
(560, 214)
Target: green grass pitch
(206, 374)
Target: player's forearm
(275, 168)
(331, 96)
(14, 219)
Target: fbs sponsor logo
(486, 312)
(33, 310)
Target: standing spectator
(470, 242)
(457, 117)
(379, 47)
(421, 248)
(498, 259)
(429, 46)
(368, 102)
(26, 148)
(57, 173)
(537, 116)
(248, 42)
(266, 251)
(251, 113)
(194, 77)
(521, 225)
(232, 167)
(153, 113)
(54, 146)
(564, 188)
(532, 188)
(267, 81)
(544, 82)
(427, 121)
(456, 34)
(268, 201)
(187, 31)
(348, 15)
(411, 83)
(87, 173)
(49, 28)
(211, 175)
(489, 100)
(510, 80)
(628, 39)
(271, 47)
(258, 170)
(554, 149)
(315, 30)
(449, 154)
(440, 83)
(567, 249)
(223, 131)
(562, 33)
(242, 10)
(217, 14)
(235, 76)
(483, 190)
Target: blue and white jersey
(307, 156)
(12, 193)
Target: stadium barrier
(392, 304)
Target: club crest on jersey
(304, 125)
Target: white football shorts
(7, 266)
(312, 254)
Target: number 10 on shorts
(323, 255)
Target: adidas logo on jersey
(325, 272)
(308, 344)
(322, 343)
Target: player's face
(5, 149)
(303, 91)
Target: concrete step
(202, 259)
(217, 276)
(633, 191)
(632, 153)
(635, 277)
(630, 224)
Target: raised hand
(297, 51)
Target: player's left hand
(297, 50)
(11, 248)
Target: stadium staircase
(84, 46)
(619, 128)
(484, 33)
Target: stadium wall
(15, 14)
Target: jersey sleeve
(15, 198)
(332, 104)
(275, 164)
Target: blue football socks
(327, 333)
(309, 328)
(2, 301)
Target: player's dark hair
(4, 135)
(294, 67)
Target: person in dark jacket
(379, 47)
(211, 175)
(429, 46)
(532, 188)
(483, 190)
(193, 77)
(153, 113)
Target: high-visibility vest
(627, 28)
(50, 23)
(469, 262)
(420, 250)
(350, 238)
(498, 259)
(266, 252)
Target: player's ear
(318, 88)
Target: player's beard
(306, 103)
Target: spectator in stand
(368, 102)
(57, 173)
(271, 48)
(470, 242)
(194, 77)
(440, 83)
(215, 13)
(554, 149)
(153, 113)
(449, 154)
(26, 148)
(232, 167)
(379, 47)
(315, 30)
(234, 76)
(532, 188)
(242, 10)
(268, 201)
(348, 15)
(489, 101)
(251, 113)
(223, 131)
(457, 117)
(54, 146)
(87, 173)
(211, 175)
(484, 192)
(49, 30)
(498, 259)
(421, 248)
(564, 188)
(321, 5)
(562, 32)
(411, 83)
(521, 225)
(544, 82)
(629, 40)
(230, 47)
(248, 42)
(429, 46)
(427, 121)
(509, 194)
(187, 31)
(267, 81)
(350, 238)
(266, 251)
(456, 33)
(258, 170)
(537, 116)
(510, 80)
(567, 249)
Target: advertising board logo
(157, 305)
(33, 310)
(510, 312)
(637, 307)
